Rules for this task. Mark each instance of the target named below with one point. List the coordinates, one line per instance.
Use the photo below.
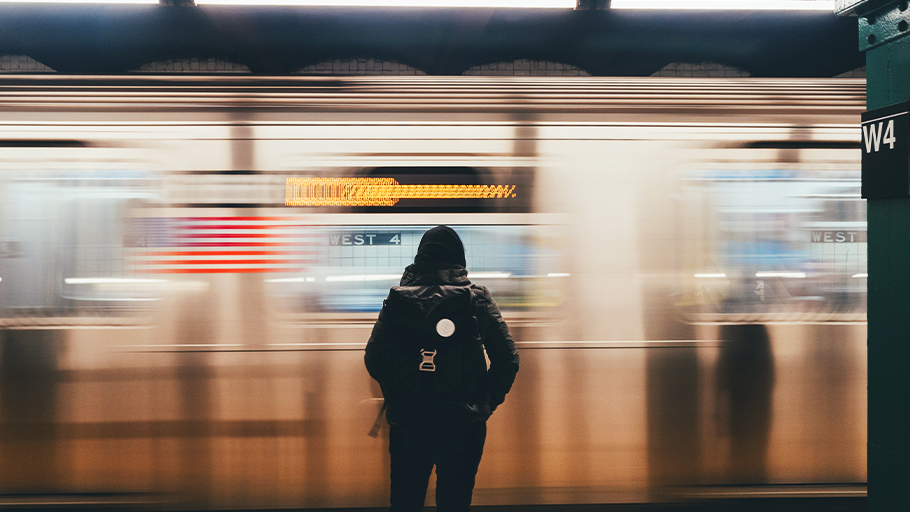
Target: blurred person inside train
(745, 388)
(427, 353)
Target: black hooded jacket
(440, 260)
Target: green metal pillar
(883, 25)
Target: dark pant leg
(411, 453)
(458, 452)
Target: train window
(62, 251)
(358, 263)
(774, 245)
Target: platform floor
(106, 503)
(725, 505)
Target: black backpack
(434, 350)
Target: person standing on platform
(427, 353)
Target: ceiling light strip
(79, 1)
(747, 5)
(525, 4)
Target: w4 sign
(873, 136)
(886, 152)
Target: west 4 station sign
(886, 152)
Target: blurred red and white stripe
(181, 245)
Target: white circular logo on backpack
(445, 327)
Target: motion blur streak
(683, 268)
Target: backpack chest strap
(428, 365)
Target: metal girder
(592, 5)
(857, 7)
(882, 27)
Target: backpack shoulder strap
(480, 308)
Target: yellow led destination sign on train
(381, 192)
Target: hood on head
(440, 245)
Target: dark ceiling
(92, 39)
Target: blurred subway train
(190, 266)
